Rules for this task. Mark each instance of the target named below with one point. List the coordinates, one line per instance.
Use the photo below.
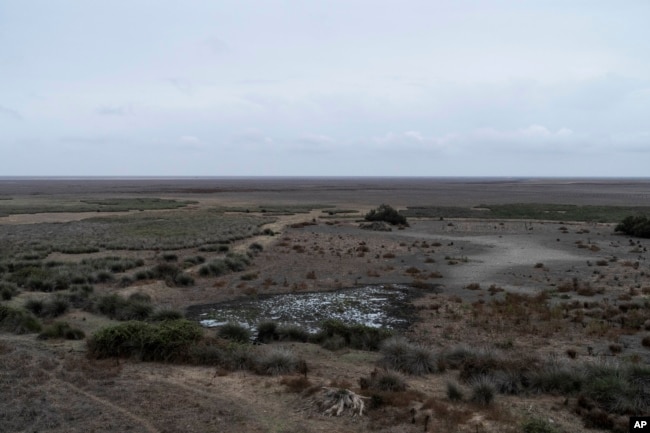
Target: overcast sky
(315, 87)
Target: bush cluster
(232, 263)
(182, 341)
(355, 336)
(18, 321)
(61, 330)
(48, 309)
(136, 307)
(271, 331)
(387, 214)
(171, 274)
(164, 341)
(638, 226)
(401, 355)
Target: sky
(325, 88)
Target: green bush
(164, 341)
(386, 213)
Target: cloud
(314, 143)
(106, 110)
(251, 139)
(182, 85)
(215, 45)
(9, 113)
(191, 142)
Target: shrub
(333, 343)
(166, 341)
(55, 307)
(35, 306)
(236, 262)
(387, 214)
(509, 381)
(292, 333)
(277, 361)
(621, 389)
(537, 425)
(454, 393)
(169, 257)
(215, 268)
(267, 332)
(162, 315)
(61, 330)
(395, 351)
(389, 381)
(355, 336)
(8, 291)
(18, 321)
(183, 280)
(420, 360)
(635, 226)
(556, 377)
(482, 390)
(646, 341)
(235, 332)
(256, 247)
(116, 307)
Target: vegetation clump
(235, 332)
(61, 330)
(18, 321)
(164, 341)
(638, 226)
(355, 336)
(401, 355)
(387, 214)
(136, 307)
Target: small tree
(386, 213)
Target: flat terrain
(550, 292)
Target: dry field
(515, 325)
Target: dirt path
(102, 402)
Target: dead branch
(338, 400)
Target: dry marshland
(512, 324)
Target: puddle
(376, 306)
